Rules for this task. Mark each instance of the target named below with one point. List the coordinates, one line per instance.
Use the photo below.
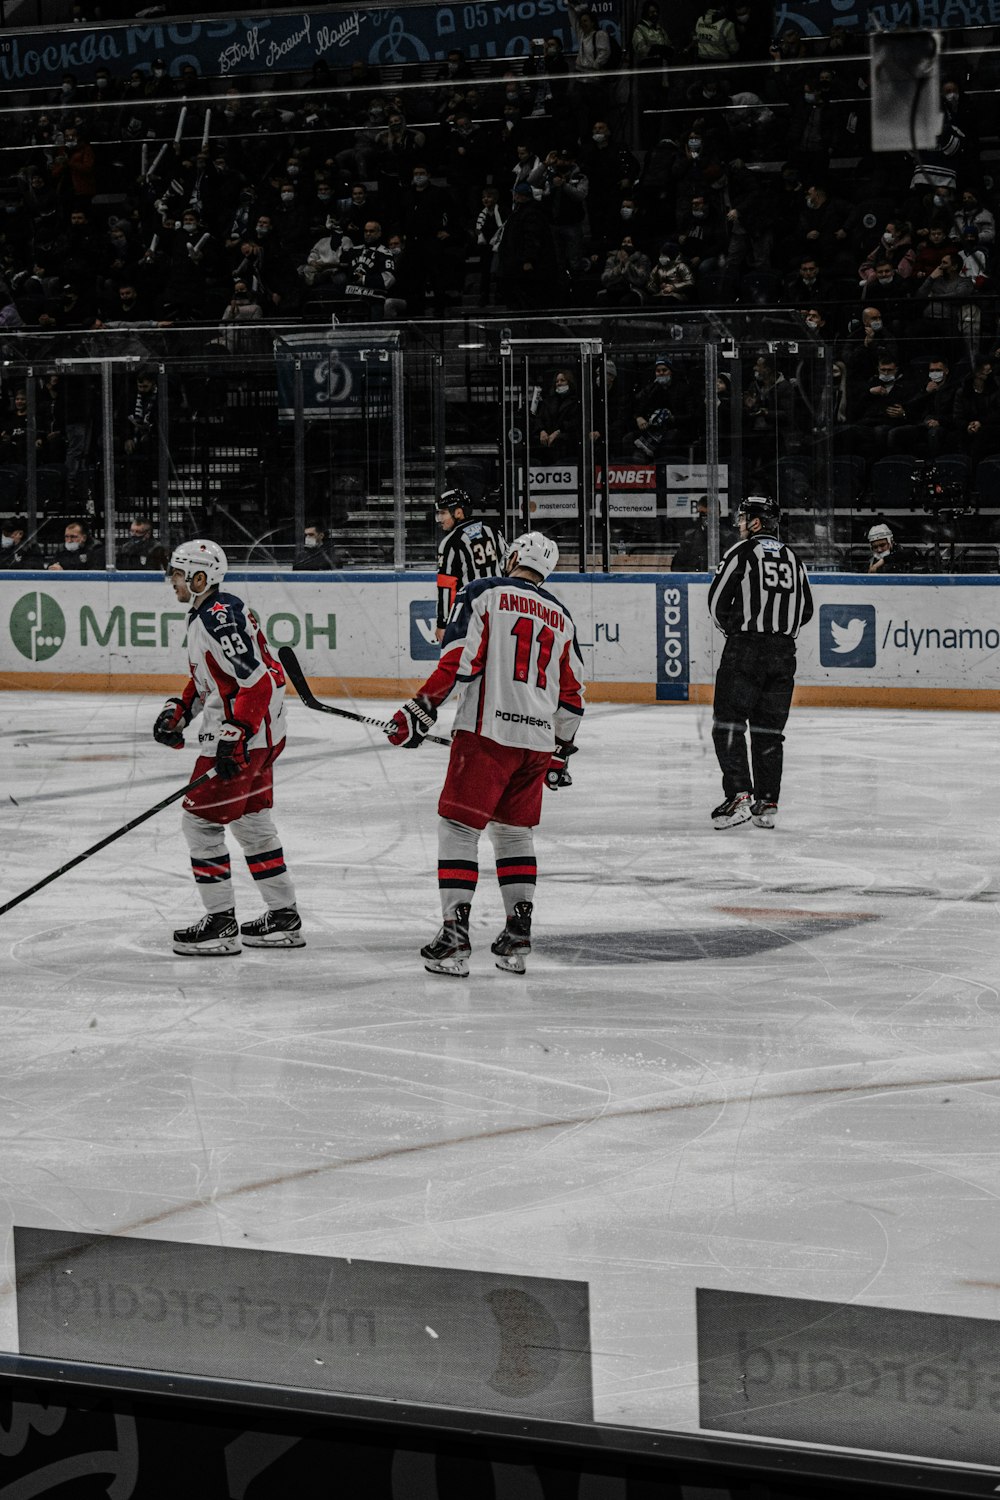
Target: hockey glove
(167, 730)
(231, 755)
(557, 774)
(411, 722)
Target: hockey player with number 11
(512, 646)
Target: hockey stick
(125, 828)
(297, 678)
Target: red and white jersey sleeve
(233, 673)
(512, 646)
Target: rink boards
(906, 642)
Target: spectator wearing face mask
(316, 553)
(291, 220)
(887, 288)
(557, 424)
(195, 262)
(79, 550)
(262, 261)
(18, 550)
(973, 214)
(671, 278)
(661, 410)
(611, 169)
(930, 426)
(932, 247)
(880, 409)
(894, 244)
(140, 551)
(241, 309)
(868, 337)
(625, 276)
(702, 234)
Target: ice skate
(450, 950)
(216, 935)
(764, 814)
(514, 944)
(730, 814)
(281, 928)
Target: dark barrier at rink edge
(83, 1431)
(483, 1383)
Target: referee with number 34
(759, 599)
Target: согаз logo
(847, 635)
(37, 626)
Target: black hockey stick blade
(103, 844)
(297, 678)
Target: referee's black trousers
(753, 686)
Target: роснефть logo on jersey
(847, 635)
(37, 626)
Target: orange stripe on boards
(815, 696)
(972, 699)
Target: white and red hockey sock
(517, 870)
(458, 864)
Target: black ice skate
(281, 928)
(215, 936)
(450, 950)
(764, 814)
(730, 814)
(514, 943)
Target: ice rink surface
(752, 1060)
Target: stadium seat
(795, 482)
(848, 478)
(11, 486)
(891, 481)
(954, 468)
(760, 287)
(987, 482)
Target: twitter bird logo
(847, 635)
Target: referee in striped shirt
(469, 549)
(759, 599)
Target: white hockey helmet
(880, 533)
(199, 556)
(532, 550)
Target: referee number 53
(778, 575)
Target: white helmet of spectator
(199, 556)
(533, 550)
(881, 539)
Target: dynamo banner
(821, 17)
(255, 45)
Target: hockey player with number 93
(511, 646)
(237, 688)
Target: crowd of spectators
(691, 164)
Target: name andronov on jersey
(509, 718)
(523, 605)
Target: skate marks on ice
(767, 930)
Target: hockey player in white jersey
(512, 647)
(237, 690)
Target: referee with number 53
(759, 599)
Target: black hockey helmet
(764, 508)
(455, 499)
